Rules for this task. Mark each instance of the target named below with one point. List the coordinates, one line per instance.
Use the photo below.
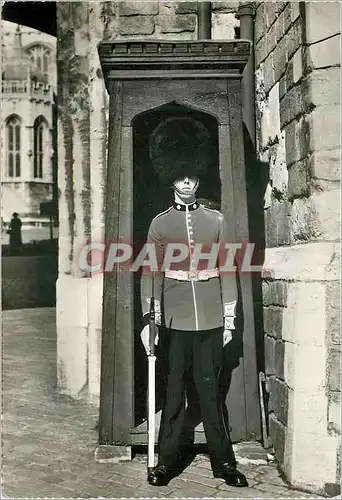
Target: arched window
(13, 126)
(41, 56)
(39, 131)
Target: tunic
(186, 300)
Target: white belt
(202, 275)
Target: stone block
(279, 399)
(224, 6)
(280, 58)
(333, 302)
(291, 106)
(307, 262)
(278, 169)
(271, 38)
(295, 10)
(136, 25)
(292, 143)
(281, 290)
(294, 38)
(327, 206)
(267, 295)
(270, 119)
(296, 140)
(260, 22)
(298, 180)
(72, 305)
(287, 17)
(268, 73)
(273, 320)
(304, 223)
(186, 7)
(223, 25)
(324, 123)
(260, 51)
(271, 12)
(304, 321)
(275, 293)
(333, 268)
(323, 20)
(288, 75)
(302, 375)
(323, 54)
(294, 70)
(134, 8)
(322, 87)
(280, 26)
(279, 356)
(269, 355)
(334, 369)
(177, 23)
(310, 453)
(297, 60)
(72, 361)
(334, 412)
(278, 229)
(282, 87)
(325, 165)
(277, 433)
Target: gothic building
(28, 88)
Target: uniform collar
(181, 207)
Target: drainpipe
(204, 21)
(246, 13)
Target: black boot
(231, 475)
(160, 476)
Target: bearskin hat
(179, 147)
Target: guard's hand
(145, 338)
(227, 337)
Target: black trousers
(196, 356)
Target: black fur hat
(179, 147)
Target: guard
(194, 302)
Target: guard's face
(186, 185)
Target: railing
(10, 87)
(14, 87)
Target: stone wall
(82, 149)
(298, 133)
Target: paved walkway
(48, 440)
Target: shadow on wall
(257, 178)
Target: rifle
(151, 410)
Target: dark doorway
(150, 198)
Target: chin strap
(179, 191)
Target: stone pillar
(298, 110)
(82, 120)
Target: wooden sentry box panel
(204, 76)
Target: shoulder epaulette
(163, 213)
(212, 210)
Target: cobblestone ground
(48, 440)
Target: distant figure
(14, 231)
